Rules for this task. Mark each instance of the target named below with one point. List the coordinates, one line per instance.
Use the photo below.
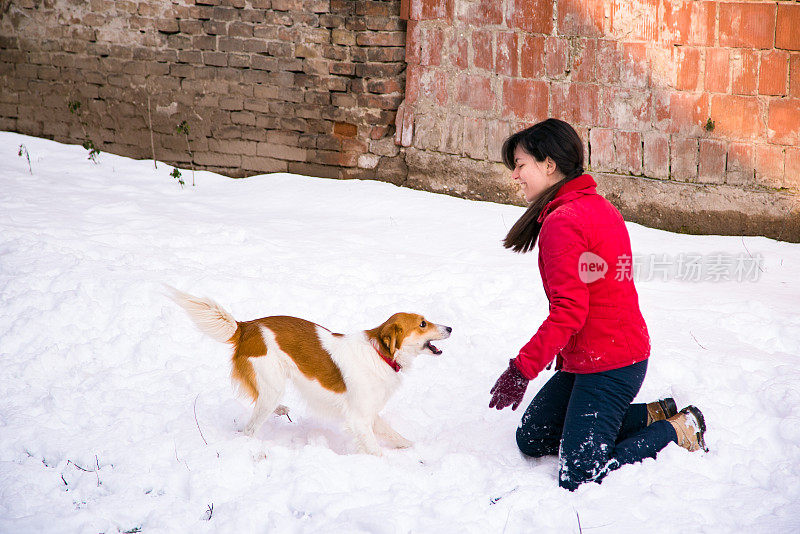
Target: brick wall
(306, 86)
(689, 109)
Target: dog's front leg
(366, 442)
(385, 431)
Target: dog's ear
(392, 337)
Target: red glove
(509, 388)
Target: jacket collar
(582, 185)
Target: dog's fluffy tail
(210, 317)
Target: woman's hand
(509, 388)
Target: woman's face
(534, 176)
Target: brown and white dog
(346, 376)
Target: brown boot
(690, 426)
(660, 410)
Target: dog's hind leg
(271, 384)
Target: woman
(594, 330)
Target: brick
(584, 18)
(535, 16)
(476, 92)
(792, 171)
(656, 155)
(794, 75)
(747, 25)
(774, 72)
(429, 9)
(272, 150)
(608, 62)
(628, 152)
(687, 22)
(634, 70)
(498, 132)
(626, 109)
(717, 74)
(381, 39)
(635, 19)
(601, 156)
(688, 74)
(576, 103)
(787, 31)
(532, 56)
(770, 165)
(459, 48)
(740, 169)
(431, 47)
(712, 161)
(479, 13)
(507, 60)
(736, 117)
(556, 57)
(783, 125)
(474, 144)
(525, 99)
(427, 133)
(744, 72)
(452, 135)
(583, 58)
(482, 50)
(433, 87)
(683, 159)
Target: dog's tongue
(433, 349)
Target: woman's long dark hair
(551, 138)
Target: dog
(350, 377)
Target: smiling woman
(594, 329)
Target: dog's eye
(423, 324)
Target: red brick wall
(306, 86)
(683, 91)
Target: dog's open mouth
(430, 346)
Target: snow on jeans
(588, 419)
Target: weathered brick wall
(306, 86)
(689, 109)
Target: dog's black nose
(448, 329)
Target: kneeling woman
(594, 330)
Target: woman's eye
(423, 324)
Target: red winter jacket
(594, 323)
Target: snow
(117, 415)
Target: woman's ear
(550, 165)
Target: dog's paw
(402, 443)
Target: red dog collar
(393, 364)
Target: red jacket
(594, 323)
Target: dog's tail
(210, 317)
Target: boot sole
(698, 415)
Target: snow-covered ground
(117, 415)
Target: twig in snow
(209, 512)
(695, 340)
(579, 521)
(196, 422)
(748, 253)
(95, 471)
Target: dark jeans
(589, 421)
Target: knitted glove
(509, 388)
